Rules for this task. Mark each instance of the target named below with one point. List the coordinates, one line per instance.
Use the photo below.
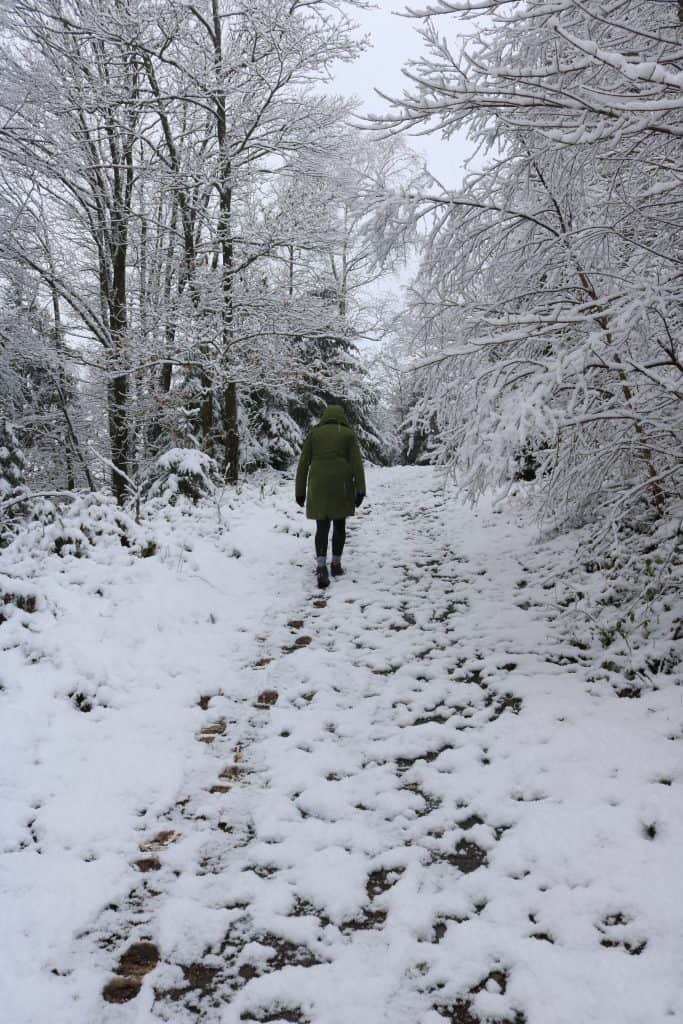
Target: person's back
(331, 482)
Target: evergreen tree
(335, 375)
(271, 435)
(12, 462)
(12, 465)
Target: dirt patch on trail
(137, 961)
(301, 641)
(208, 733)
(267, 698)
(276, 1016)
(466, 857)
(160, 841)
(462, 1012)
(145, 864)
(121, 990)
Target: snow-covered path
(401, 801)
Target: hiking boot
(337, 568)
(323, 576)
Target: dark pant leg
(338, 537)
(321, 534)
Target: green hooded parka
(330, 471)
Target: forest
(196, 232)
(444, 786)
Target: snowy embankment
(227, 796)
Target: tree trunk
(71, 445)
(119, 435)
(230, 422)
(118, 390)
(231, 430)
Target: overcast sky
(394, 40)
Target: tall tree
(72, 119)
(245, 70)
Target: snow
(441, 804)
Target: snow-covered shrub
(92, 521)
(619, 597)
(183, 472)
(16, 594)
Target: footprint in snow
(301, 641)
(137, 961)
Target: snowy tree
(140, 152)
(11, 462)
(12, 467)
(548, 304)
(73, 113)
(246, 75)
(40, 392)
(324, 285)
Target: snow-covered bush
(183, 472)
(619, 595)
(91, 522)
(17, 594)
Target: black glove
(359, 500)
(301, 500)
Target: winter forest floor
(410, 799)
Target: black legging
(338, 537)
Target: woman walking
(331, 482)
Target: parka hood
(334, 414)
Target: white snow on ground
(405, 800)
